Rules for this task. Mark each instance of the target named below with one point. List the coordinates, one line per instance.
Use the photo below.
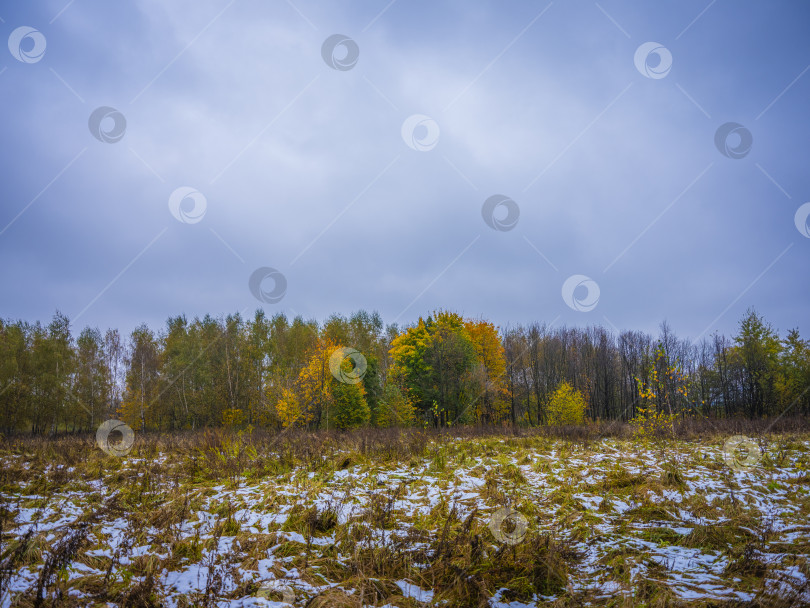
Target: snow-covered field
(509, 521)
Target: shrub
(288, 409)
(651, 421)
(566, 406)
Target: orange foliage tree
(492, 404)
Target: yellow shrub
(566, 406)
(652, 422)
(232, 417)
(288, 410)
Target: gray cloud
(304, 169)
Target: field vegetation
(470, 516)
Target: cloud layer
(303, 168)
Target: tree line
(353, 371)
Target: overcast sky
(235, 136)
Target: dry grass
(365, 511)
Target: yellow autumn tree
(315, 382)
(288, 409)
(324, 398)
(566, 406)
(489, 379)
(658, 397)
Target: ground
(405, 519)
